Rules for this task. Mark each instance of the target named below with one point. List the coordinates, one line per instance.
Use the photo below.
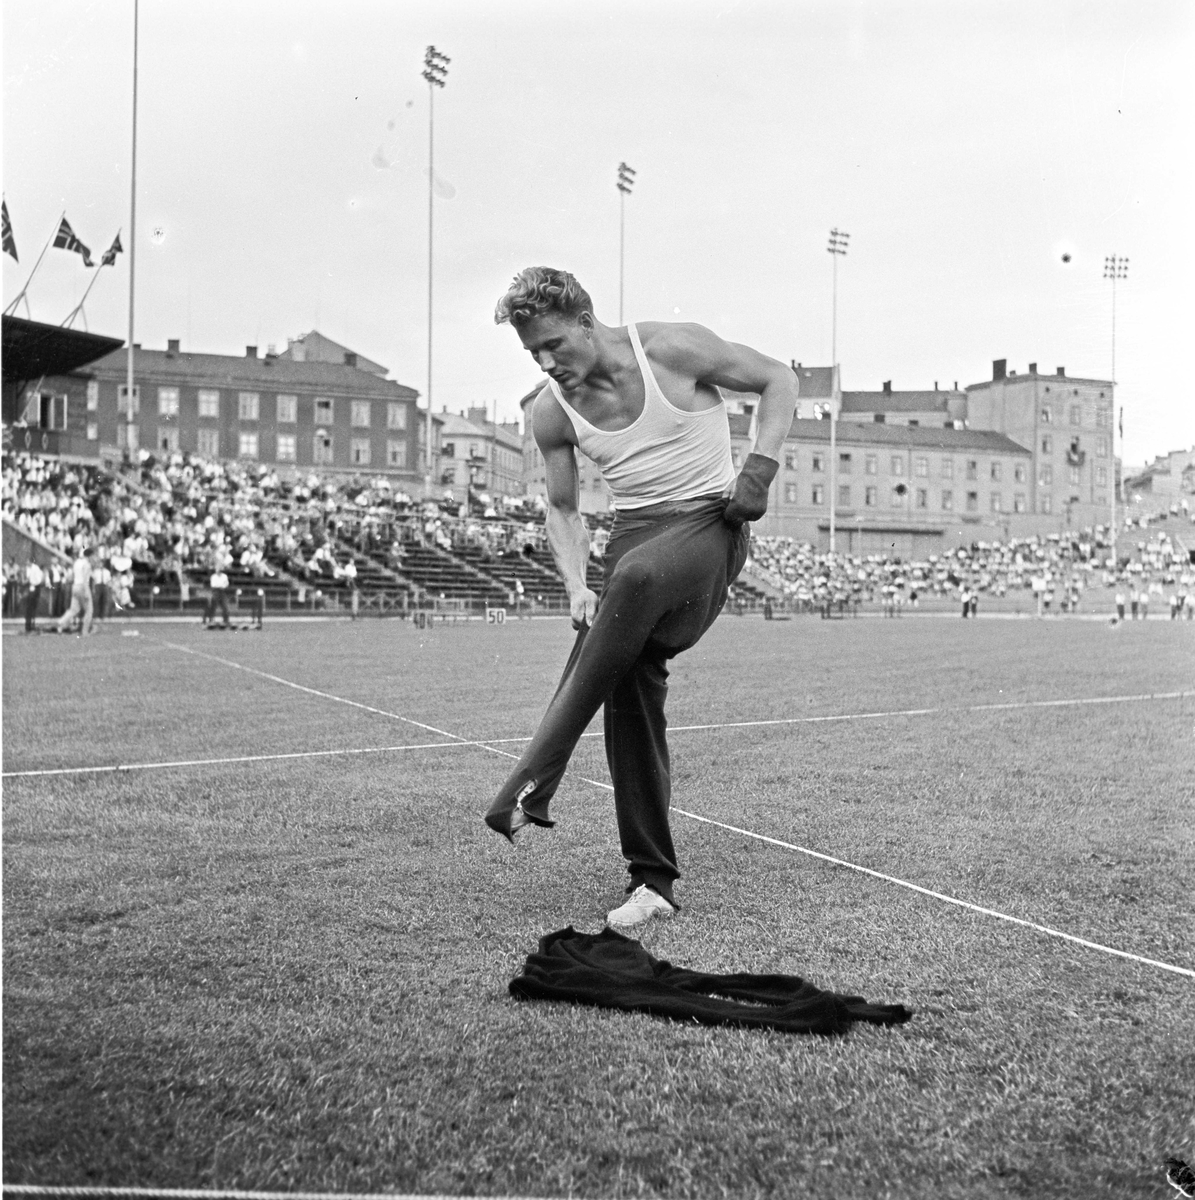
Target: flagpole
(70, 320)
(132, 243)
(12, 308)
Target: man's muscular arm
(567, 535)
(693, 350)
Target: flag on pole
(110, 254)
(10, 245)
(65, 239)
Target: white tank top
(665, 454)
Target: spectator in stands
(34, 578)
(218, 596)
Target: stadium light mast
(837, 248)
(435, 71)
(626, 181)
(1115, 268)
(128, 441)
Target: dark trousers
(667, 572)
(31, 599)
(219, 597)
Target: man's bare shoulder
(678, 341)
(549, 422)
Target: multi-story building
(315, 347)
(296, 415)
(937, 409)
(1066, 424)
(1167, 485)
(594, 498)
(909, 491)
(480, 454)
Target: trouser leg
(637, 752)
(31, 608)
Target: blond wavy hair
(539, 290)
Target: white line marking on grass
(987, 912)
(142, 1193)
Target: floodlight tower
(435, 71)
(837, 248)
(626, 181)
(1114, 268)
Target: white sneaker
(640, 908)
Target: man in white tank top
(643, 403)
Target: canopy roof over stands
(32, 349)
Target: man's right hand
(583, 608)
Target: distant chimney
(250, 351)
(956, 385)
(172, 346)
(1033, 368)
(999, 368)
(887, 387)
(935, 385)
(350, 358)
(1061, 372)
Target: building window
(248, 406)
(167, 402)
(1046, 415)
(448, 450)
(869, 496)
(1047, 503)
(209, 443)
(168, 441)
(790, 493)
(1073, 474)
(844, 462)
(360, 414)
(996, 502)
(1103, 417)
(898, 465)
(790, 460)
(921, 467)
(1018, 502)
(396, 452)
(51, 410)
(948, 468)
(122, 400)
(93, 395)
(844, 495)
(734, 454)
(321, 451)
(288, 409)
(396, 415)
(209, 403)
(1018, 472)
(359, 452)
(997, 472)
(1047, 445)
(819, 464)
(247, 447)
(897, 499)
(923, 497)
(1076, 414)
(323, 411)
(287, 445)
(1101, 476)
(947, 500)
(871, 464)
(972, 468)
(1045, 475)
(819, 493)
(972, 501)
(1101, 446)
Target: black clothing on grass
(667, 572)
(607, 970)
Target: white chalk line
(145, 1193)
(988, 912)
(991, 912)
(459, 743)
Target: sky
(984, 157)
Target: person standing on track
(641, 401)
(81, 602)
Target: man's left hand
(749, 500)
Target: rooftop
(917, 437)
(894, 402)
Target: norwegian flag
(65, 239)
(9, 242)
(109, 258)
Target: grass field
(291, 974)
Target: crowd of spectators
(179, 518)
